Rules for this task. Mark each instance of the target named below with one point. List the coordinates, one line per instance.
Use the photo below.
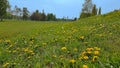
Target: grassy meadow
(92, 42)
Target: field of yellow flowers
(87, 43)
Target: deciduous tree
(4, 4)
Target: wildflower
(89, 52)
(64, 48)
(82, 37)
(83, 53)
(30, 51)
(6, 64)
(7, 41)
(96, 48)
(75, 49)
(85, 57)
(72, 61)
(25, 49)
(85, 66)
(94, 58)
(89, 49)
(96, 52)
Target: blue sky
(64, 8)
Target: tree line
(24, 14)
(89, 9)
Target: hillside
(92, 42)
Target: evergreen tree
(94, 10)
(25, 13)
(50, 17)
(43, 16)
(4, 4)
(35, 16)
(99, 12)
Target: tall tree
(50, 17)
(99, 11)
(35, 16)
(25, 13)
(4, 4)
(87, 6)
(43, 16)
(17, 12)
(87, 9)
(94, 10)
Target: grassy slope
(38, 44)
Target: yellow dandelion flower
(82, 37)
(94, 58)
(96, 48)
(25, 49)
(72, 61)
(89, 52)
(83, 53)
(6, 64)
(30, 51)
(85, 66)
(64, 48)
(96, 52)
(89, 49)
(75, 49)
(8, 41)
(85, 57)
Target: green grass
(33, 44)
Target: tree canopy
(4, 4)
